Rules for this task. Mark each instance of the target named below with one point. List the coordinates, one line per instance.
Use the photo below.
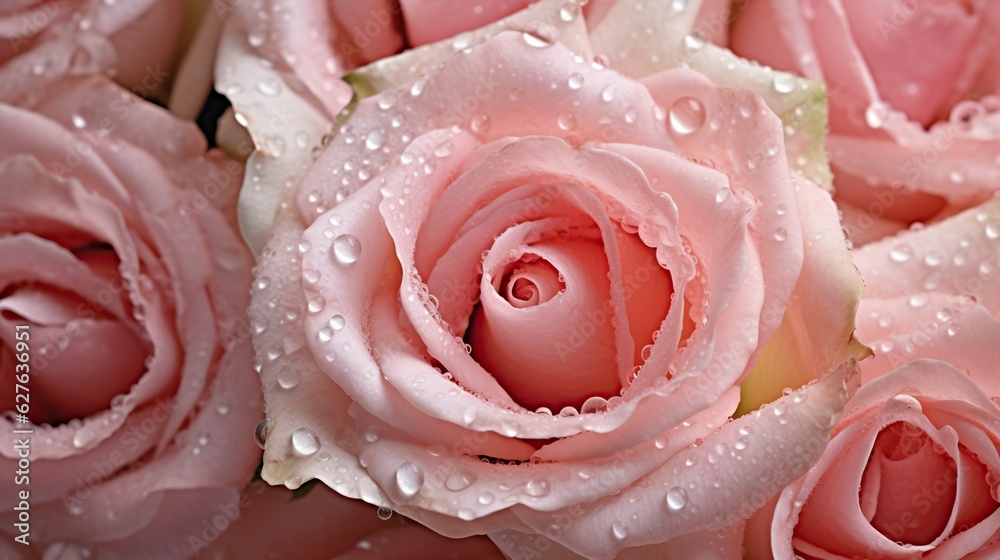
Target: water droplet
(678, 6)
(783, 82)
(443, 150)
(372, 434)
(876, 113)
(676, 498)
(567, 121)
(901, 253)
(78, 121)
(83, 438)
(375, 139)
(780, 234)
(460, 480)
(384, 513)
(687, 115)
(993, 229)
(260, 433)
(316, 304)
(480, 124)
(537, 488)
(304, 442)
(660, 442)
(289, 377)
(269, 87)
(486, 498)
(535, 41)
(409, 479)
(337, 322)
(575, 81)
(619, 530)
(256, 38)
(568, 11)
(608, 94)
(346, 248)
(418, 87)
(325, 334)
(694, 43)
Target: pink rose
(517, 296)
(914, 99)
(323, 524)
(42, 41)
(920, 438)
(121, 262)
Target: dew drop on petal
(687, 115)
(289, 377)
(569, 10)
(783, 82)
(619, 530)
(375, 138)
(460, 480)
(384, 513)
(575, 81)
(346, 248)
(537, 488)
(304, 442)
(608, 94)
(535, 41)
(993, 229)
(260, 433)
(480, 124)
(337, 322)
(676, 498)
(900, 253)
(409, 479)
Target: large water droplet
(575, 81)
(676, 498)
(567, 121)
(409, 479)
(480, 124)
(304, 442)
(346, 248)
(687, 115)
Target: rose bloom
(913, 468)
(914, 99)
(45, 40)
(121, 258)
(516, 295)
